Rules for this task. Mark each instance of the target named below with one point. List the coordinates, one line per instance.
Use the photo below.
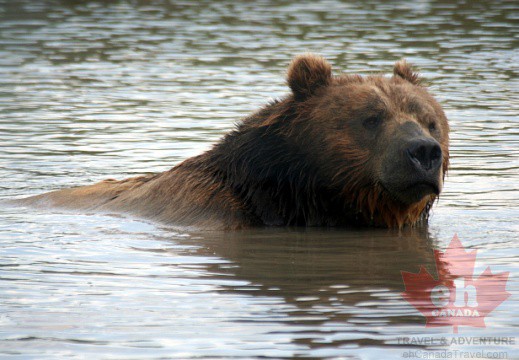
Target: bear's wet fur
(343, 150)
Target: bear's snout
(412, 168)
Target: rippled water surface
(98, 89)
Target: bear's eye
(432, 126)
(372, 122)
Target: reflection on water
(283, 291)
(95, 89)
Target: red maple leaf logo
(456, 298)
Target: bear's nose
(425, 154)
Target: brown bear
(338, 150)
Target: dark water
(98, 89)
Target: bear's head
(382, 142)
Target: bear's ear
(405, 70)
(307, 73)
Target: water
(92, 89)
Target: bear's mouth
(416, 191)
(412, 192)
(424, 186)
